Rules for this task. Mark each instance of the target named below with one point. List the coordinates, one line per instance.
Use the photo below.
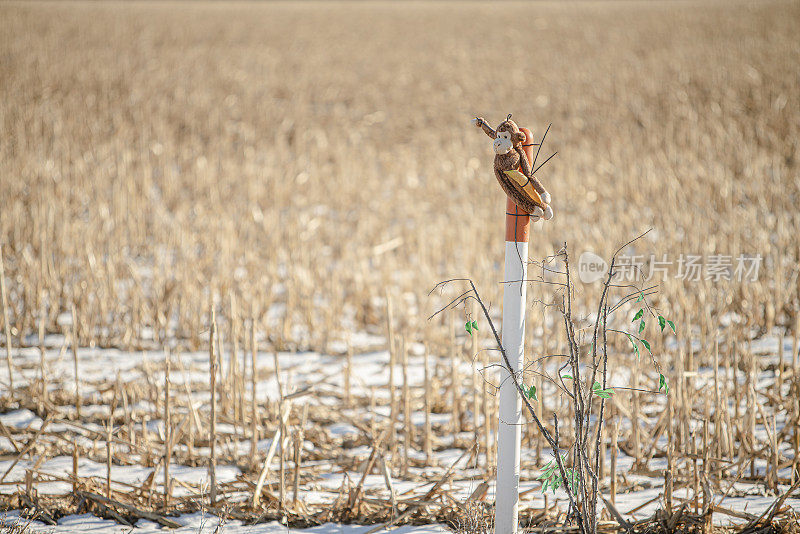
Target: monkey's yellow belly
(526, 186)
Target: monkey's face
(508, 137)
(502, 143)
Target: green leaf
(641, 297)
(641, 326)
(531, 392)
(468, 327)
(662, 383)
(638, 315)
(572, 479)
(604, 393)
(568, 377)
(662, 322)
(646, 345)
(598, 390)
(633, 344)
(474, 325)
(547, 470)
(672, 325)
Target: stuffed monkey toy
(512, 169)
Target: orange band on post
(518, 221)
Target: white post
(509, 430)
(513, 337)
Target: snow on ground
(198, 523)
(99, 367)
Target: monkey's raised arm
(526, 170)
(483, 125)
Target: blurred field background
(300, 162)
(321, 154)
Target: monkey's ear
(519, 137)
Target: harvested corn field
(220, 224)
